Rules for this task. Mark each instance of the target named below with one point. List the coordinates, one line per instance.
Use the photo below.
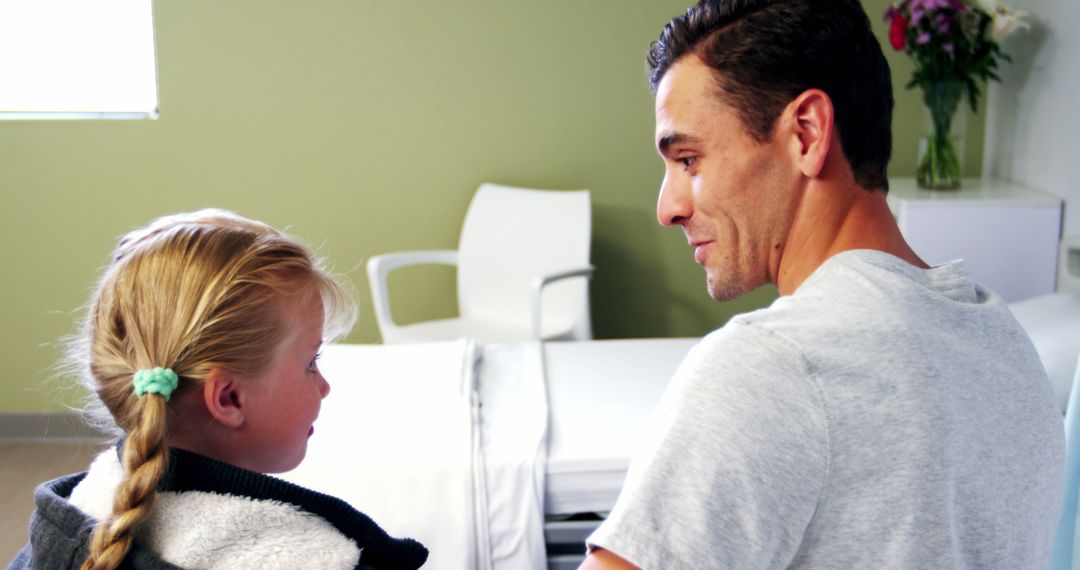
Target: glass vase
(941, 147)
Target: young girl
(201, 342)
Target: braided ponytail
(145, 459)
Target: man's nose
(673, 206)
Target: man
(881, 413)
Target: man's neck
(836, 217)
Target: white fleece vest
(201, 530)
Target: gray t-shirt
(882, 416)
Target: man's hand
(600, 559)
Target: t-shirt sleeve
(734, 464)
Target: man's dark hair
(764, 53)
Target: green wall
(364, 126)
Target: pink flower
(922, 8)
(943, 23)
(931, 5)
(923, 39)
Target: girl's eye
(313, 366)
(686, 161)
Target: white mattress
(601, 395)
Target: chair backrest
(512, 235)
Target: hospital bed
(501, 456)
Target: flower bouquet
(953, 43)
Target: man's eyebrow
(667, 141)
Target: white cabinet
(1008, 235)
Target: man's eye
(686, 161)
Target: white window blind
(77, 59)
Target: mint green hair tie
(156, 381)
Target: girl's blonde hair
(190, 292)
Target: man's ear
(223, 398)
(812, 125)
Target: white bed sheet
(513, 428)
(395, 440)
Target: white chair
(522, 270)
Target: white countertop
(973, 192)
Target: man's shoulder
(849, 304)
(785, 328)
(744, 356)
(855, 293)
(749, 335)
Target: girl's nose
(324, 387)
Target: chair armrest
(542, 281)
(380, 266)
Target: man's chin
(725, 290)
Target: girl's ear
(222, 395)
